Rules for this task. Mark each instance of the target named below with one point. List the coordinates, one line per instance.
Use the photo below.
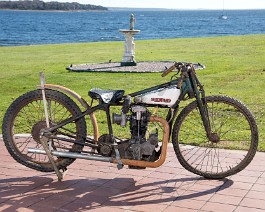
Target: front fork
(203, 108)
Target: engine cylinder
(139, 122)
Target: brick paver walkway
(98, 186)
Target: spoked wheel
(25, 119)
(235, 138)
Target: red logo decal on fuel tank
(160, 100)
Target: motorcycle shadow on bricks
(43, 193)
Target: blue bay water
(30, 27)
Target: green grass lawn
(235, 67)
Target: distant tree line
(40, 5)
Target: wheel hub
(214, 137)
(36, 130)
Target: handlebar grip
(166, 72)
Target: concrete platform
(141, 67)
(98, 186)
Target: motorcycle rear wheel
(24, 120)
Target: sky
(177, 4)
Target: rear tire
(25, 118)
(236, 128)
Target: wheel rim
(30, 120)
(232, 148)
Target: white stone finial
(132, 22)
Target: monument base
(128, 63)
(115, 67)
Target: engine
(138, 147)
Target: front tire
(24, 120)
(236, 128)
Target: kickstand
(60, 175)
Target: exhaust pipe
(129, 162)
(71, 155)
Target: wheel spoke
(221, 158)
(24, 121)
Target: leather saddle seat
(106, 96)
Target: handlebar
(168, 70)
(180, 66)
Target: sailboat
(223, 16)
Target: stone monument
(129, 45)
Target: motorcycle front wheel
(237, 132)
(24, 120)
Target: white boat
(223, 16)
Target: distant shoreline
(54, 10)
(39, 5)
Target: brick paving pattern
(98, 186)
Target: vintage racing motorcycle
(213, 136)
